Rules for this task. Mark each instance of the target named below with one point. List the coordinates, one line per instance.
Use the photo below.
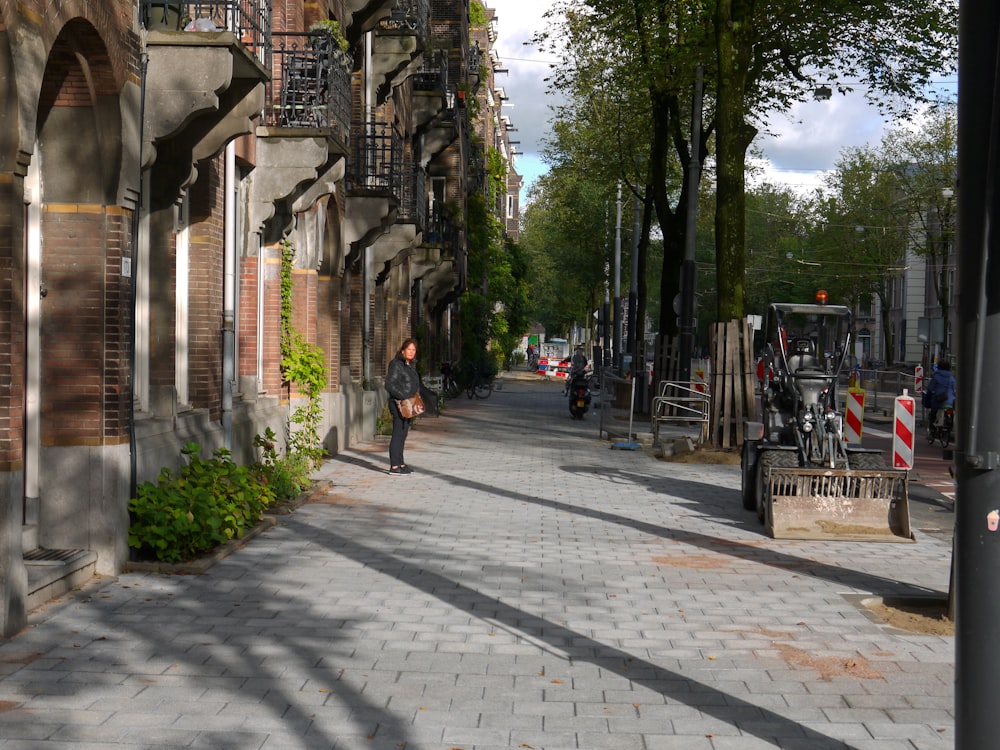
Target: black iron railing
(442, 230)
(408, 16)
(376, 150)
(311, 87)
(248, 20)
(413, 196)
(433, 72)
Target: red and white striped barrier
(918, 380)
(855, 416)
(550, 366)
(902, 435)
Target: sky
(803, 144)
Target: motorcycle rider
(577, 366)
(940, 392)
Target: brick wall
(84, 313)
(11, 326)
(205, 283)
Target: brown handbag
(411, 407)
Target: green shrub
(383, 423)
(204, 504)
(287, 475)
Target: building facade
(161, 162)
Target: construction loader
(798, 473)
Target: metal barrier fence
(881, 386)
(680, 402)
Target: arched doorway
(78, 292)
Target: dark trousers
(400, 428)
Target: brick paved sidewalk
(526, 587)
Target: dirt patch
(829, 666)
(696, 562)
(705, 456)
(925, 617)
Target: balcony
(413, 197)
(376, 158)
(247, 20)
(399, 41)
(371, 182)
(208, 62)
(311, 87)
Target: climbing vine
(302, 364)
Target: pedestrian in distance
(402, 381)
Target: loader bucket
(837, 504)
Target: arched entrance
(78, 292)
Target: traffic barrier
(855, 416)
(918, 380)
(551, 367)
(902, 434)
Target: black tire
(945, 437)
(930, 435)
(767, 460)
(866, 461)
(748, 477)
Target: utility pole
(635, 328)
(977, 447)
(617, 342)
(688, 274)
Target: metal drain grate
(39, 554)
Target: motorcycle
(579, 394)
(943, 428)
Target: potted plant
(329, 29)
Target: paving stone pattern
(527, 587)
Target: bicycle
(479, 384)
(943, 432)
(449, 386)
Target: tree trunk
(671, 221)
(733, 30)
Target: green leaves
(204, 504)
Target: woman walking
(402, 381)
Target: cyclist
(940, 391)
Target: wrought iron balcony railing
(433, 72)
(248, 20)
(376, 157)
(442, 230)
(408, 16)
(413, 196)
(311, 84)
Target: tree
(627, 72)
(927, 167)
(565, 237)
(865, 240)
(771, 53)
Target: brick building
(157, 158)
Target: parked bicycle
(478, 381)
(449, 386)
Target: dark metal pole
(635, 328)
(688, 275)
(616, 344)
(977, 453)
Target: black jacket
(401, 380)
